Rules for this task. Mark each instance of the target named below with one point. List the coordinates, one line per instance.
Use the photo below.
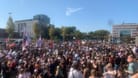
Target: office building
(125, 29)
(26, 26)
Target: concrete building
(3, 33)
(26, 26)
(125, 29)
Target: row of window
(21, 24)
(21, 27)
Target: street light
(110, 23)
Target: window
(18, 27)
(125, 33)
(24, 24)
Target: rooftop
(2, 30)
(24, 20)
(126, 24)
(129, 23)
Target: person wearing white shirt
(21, 74)
(110, 73)
(74, 71)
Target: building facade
(43, 19)
(26, 26)
(3, 33)
(125, 29)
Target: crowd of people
(70, 59)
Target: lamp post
(110, 23)
(9, 16)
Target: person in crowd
(74, 71)
(135, 75)
(59, 72)
(21, 74)
(93, 74)
(68, 59)
(110, 73)
(132, 66)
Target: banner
(39, 42)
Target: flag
(40, 38)
(39, 42)
(26, 39)
(24, 36)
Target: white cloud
(70, 11)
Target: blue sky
(86, 15)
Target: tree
(101, 34)
(58, 35)
(36, 29)
(63, 32)
(52, 32)
(10, 27)
(68, 32)
(78, 34)
(91, 35)
(45, 31)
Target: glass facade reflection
(125, 33)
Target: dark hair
(131, 55)
(75, 64)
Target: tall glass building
(43, 19)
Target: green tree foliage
(44, 24)
(36, 29)
(63, 32)
(52, 32)
(68, 32)
(10, 27)
(91, 35)
(58, 35)
(78, 34)
(101, 34)
(85, 36)
(45, 30)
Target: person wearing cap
(74, 71)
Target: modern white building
(26, 26)
(125, 29)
